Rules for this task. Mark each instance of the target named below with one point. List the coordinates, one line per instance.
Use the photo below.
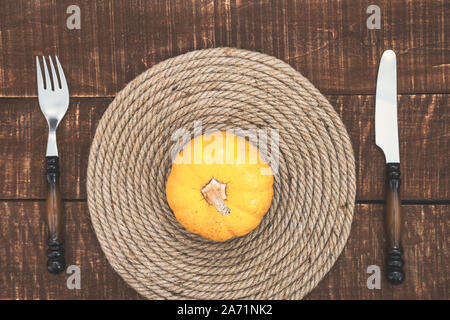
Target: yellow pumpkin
(219, 186)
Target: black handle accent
(395, 273)
(394, 224)
(56, 262)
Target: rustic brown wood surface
(423, 124)
(23, 273)
(327, 41)
(425, 243)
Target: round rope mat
(307, 226)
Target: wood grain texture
(425, 244)
(424, 146)
(23, 264)
(23, 136)
(23, 274)
(327, 41)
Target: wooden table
(327, 41)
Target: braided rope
(308, 223)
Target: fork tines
(50, 82)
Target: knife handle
(55, 253)
(394, 224)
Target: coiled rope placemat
(308, 223)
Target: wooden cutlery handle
(394, 224)
(55, 253)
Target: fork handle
(55, 253)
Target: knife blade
(386, 127)
(386, 137)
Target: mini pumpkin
(219, 186)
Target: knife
(386, 137)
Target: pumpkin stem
(214, 194)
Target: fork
(53, 98)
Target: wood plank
(424, 145)
(23, 274)
(23, 136)
(423, 126)
(426, 256)
(327, 41)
